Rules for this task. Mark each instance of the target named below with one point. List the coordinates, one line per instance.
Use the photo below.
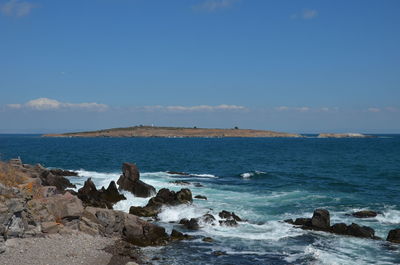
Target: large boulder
(129, 180)
(365, 214)
(321, 219)
(163, 197)
(116, 223)
(49, 179)
(360, 231)
(394, 236)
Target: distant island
(175, 132)
(344, 135)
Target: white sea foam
(247, 175)
(389, 216)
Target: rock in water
(394, 236)
(364, 214)
(321, 219)
(130, 181)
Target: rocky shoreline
(39, 208)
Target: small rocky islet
(37, 202)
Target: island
(176, 132)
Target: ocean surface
(262, 180)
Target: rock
(208, 218)
(208, 239)
(321, 219)
(192, 224)
(184, 221)
(50, 227)
(201, 197)
(64, 173)
(289, 221)
(364, 214)
(130, 181)
(49, 179)
(229, 215)
(103, 198)
(163, 197)
(218, 253)
(394, 236)
(231, 222)
(176, 235)
(339, 228)
(181, 182)
(360, 231)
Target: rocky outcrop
(163, 197)
(394, 236)
(103, 198)
(320, 221)
(200, 197)
(129, 180)
(364, 214)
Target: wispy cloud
(199, 108)
(214, 5)
(306, 14)
(374, 109)
(52, 104)
(16, 8)
(286, 108)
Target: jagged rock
(200, 197)
(49, 179)
(64, 173)
(321, 219)
(208, 219)
(103, 198)
(192, 224)
(163, 197)
(229, 215)
(129, 180)
(394, 236)
(364, 214)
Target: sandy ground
(57, 250)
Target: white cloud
(214, 5)
(282, 108)
(52, 104)
(286, 108)
(374, 109)
(306, 14)
(222, 107)
(16, 8)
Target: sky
(305, 66)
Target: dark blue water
(264, 180)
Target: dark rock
(176, 235)
(184, 221)
(64, 173)
(201, 197)
(208, 239)
(219, 253)
(231, 222)
(103, 198)
(181, 182)
(394, 236)
(289, 221)
(340, 228)
(130, 181)
(229, 215)
(360, 231)
(163, 197)
(303, 221)
(49, 179)
(193, 224)
(364, 214)
(321, 219)
(208, 218)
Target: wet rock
(129, 180)
(321, 219)
(303, 221)
(208, 218)
(229, 215)
(360, 231)
(181, 182)
(200, 197)
(176, 235)
(112, 194)
(193, 224)
(231, 222)
(340, 228)
(218, 253)
(289, 221)
(184, 221)
(364, 214)
(64, 173)
(163, 197)
(208, 239)
(394, 236)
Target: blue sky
(300, 66)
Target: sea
(262, 180)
